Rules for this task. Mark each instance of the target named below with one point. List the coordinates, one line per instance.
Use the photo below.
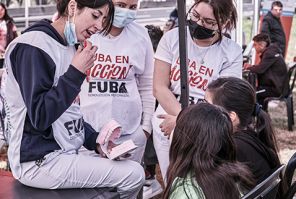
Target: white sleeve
(145, 89)
(164, 51)
(234, 66)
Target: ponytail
(264, 129)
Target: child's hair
(239, 96)
(262, 37)
(202, 145)
(155, 34)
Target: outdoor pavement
(286, 154)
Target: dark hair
(239, 96)
(202, 145)
(10, 25)
(262, 37)
(224, 12)
(276, 3)
(62, 10)
(155, 34)
(6, 17)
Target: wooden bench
(12, 189)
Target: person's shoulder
(182, 188)
(268, 17)
(171, 36)
(95, 38)
(245, 140)
(229, 42)
(137, 31)
(173, 33)
(229, 46)
(273, 51)
(137, 28)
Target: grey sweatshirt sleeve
(34, 71)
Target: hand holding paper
(108, 135)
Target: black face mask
(199, 32)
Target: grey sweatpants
(85, 171)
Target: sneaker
(151, 188)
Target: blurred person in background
(271, 70)
(8, 29)
(272, 26)
(172, 21)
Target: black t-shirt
(250, 150)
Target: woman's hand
(109, 148)
(84, 57)
(168, 124)
(99, 149)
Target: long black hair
(239, 96)
(62, 10)
(202, 145)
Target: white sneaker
(151, 188)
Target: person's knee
(136, 177)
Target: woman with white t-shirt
(210, 55)
(119, 85)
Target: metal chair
(267, 189)
(250, 77)
(288, 176)
(291, 191)
(286, 96)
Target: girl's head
(3, 12)
(237, 96)
(213, 18)
(89, 16)
(203, 131)
(202, 145)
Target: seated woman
(202, 154)
(253, 133)
(255, 142)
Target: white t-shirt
(205, 64)
(119, 85)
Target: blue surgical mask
(123, 17)
(70, 33)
